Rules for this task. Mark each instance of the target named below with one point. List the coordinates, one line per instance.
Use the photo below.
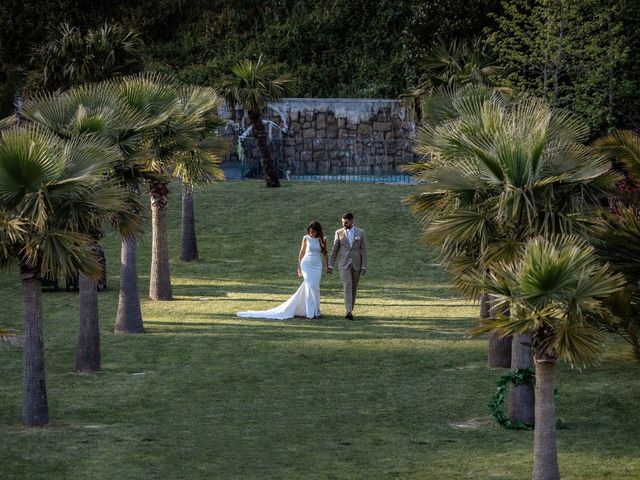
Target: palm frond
(253, 84)
(198, 167)
(579, 344)
(623, 147)
(29, 157)
(505, 326)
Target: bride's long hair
(318, 228)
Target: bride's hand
(299, 272)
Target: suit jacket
(347, 255)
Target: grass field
(398, 393)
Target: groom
(350, 249)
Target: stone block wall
(341, 136)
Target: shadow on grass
(362, 301)
(325, 328)
(382, 293)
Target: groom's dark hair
(348, 216)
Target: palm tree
(42, 178)
(462, 63)
(108, 52)
(156, 100)
(437, 106)
(457, 64)
(81, 111)
(198, 168)
(128, 111)
(554, 289)
(73, 57)
(622, 147)
(252, 86)
(200, 165)
(191, 118)
(500, 173)
(618, 233)
(618, 242)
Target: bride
(306, 301)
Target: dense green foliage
(334, 48)
(580, 55)
(584, 56)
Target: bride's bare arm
(303, 249)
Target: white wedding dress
(306, 301)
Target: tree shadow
(325, 328)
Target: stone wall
(333, 137)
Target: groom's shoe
(349, 316)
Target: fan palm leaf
(518, 163)
(623, 147)
(557, 284)
(255, 83)
(74, 57)
(42, 179)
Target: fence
(352, 160)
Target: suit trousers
(350, 279)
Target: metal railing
(349, 160)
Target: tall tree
(251, 86)
(201, 164)
(152, 99)
(577, 55)
(42, 178)
(456, 65)
(191, 119)
(89, 110)
(178, 122)
(500, 173)
(74, 57)
(554, 289)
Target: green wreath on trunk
(519, 376)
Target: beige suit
(351, 260)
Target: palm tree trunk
(160, 282)
(485, 306)
(521, 397)
(129, 317)
(269, 170)
(35, 409)
(188, 242)
(499, 348)
(88, 348)
(499, 351)
(545, 457)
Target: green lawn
(398, 393)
